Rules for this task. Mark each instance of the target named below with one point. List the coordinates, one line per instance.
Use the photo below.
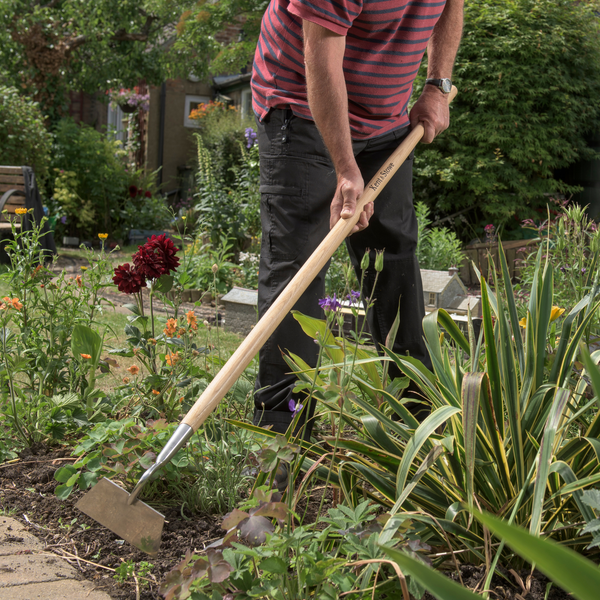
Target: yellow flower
(556, 313)
(523, 322)
(21, 211)
(103, 236)
(86, 356)
(83, 268)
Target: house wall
(453, 289)
(179, 149)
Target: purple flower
(583, 270)
(353, 296)
(295, 407)
(63, 220)
(250, 136)
(329, 303)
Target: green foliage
(592, 499)
(99, 182)
(261, 560)
(52, 48)
(438, 248)
(198, 31)
(510, 427)
(572, 243)
(23, 136)
(45, 388)
(528, 75)
(209, 266)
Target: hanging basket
(127, 108)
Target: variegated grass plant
(510, 432)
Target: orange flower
(103, 236)
(172, 358)
(16, 304)
(171, 328)
(191, 319)
(86, 356)
(125, 379)
(78, 280)
(156, 392)
(152, 341)
(134, 369)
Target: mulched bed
(27, 494)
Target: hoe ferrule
(179, 438)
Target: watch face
(446, 86)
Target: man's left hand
(432, 111)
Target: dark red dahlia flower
(148, 262)
(165, 250)
(148, 194)
(128, 279)
(133, 191)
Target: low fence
(515, 251)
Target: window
(431, 299)
(115, 123)
(192, 102)
(247, 104)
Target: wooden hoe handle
(242, 357)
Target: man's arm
(431, 109)
(328, 101)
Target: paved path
(27, 572)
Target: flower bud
(364, 264)
(379, 261)
(215, 268)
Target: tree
(528, 74)
(48, 49)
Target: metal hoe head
(137, 523)
(123, 513)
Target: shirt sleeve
(335, 15)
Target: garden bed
(27, 494)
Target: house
(444, 289)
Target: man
(331, 84)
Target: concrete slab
(15, 538)
(28, 573)
(18, 569)
(68, 589)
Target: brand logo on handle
(383, 174)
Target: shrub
(100, 178)
(23, 136)
(528, 74)
(438, 247)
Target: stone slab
(14, 537)
(19, 569)
(68, 589)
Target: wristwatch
(445, 85)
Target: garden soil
(27, 494)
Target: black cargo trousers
(297, 185)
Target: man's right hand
(349, 188)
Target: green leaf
(569, 570)
(86, 341)
(442, 587)
(63, 491)
(63, 474)
(273, 564)
(163, 284)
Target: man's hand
(432, 111)
(349, 188)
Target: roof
(437, 281)
(239, 295)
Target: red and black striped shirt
(385, 43)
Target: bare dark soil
(27, 494)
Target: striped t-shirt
(385, 42)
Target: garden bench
(18, 189)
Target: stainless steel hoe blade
(137, 523)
